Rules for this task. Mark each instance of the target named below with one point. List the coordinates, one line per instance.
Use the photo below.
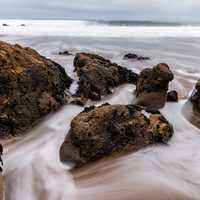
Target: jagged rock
(132, 56)
(110, 129)
(65, 53)
(97, 76)
(152, 86)
(31, 86)
(172, 96)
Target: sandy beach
(32, 165)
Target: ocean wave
(92, 29)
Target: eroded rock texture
(152, 86)
(109, 129)
(97, 76)
(31, 86)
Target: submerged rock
(97, 76)
(152, 86)
(133, 56)
(112, 129)
(31, 86)
(65, 53)
(172, 96)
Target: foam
(85, 29)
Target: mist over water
(168, 172)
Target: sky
(157, 10)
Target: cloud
(102, 9)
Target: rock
(195, 97)
(97, 76)
(23, 25)
(112, 129)
(152, 86)
(133, 56)
(76, 100)
(143, 58)
(31, 86)
(5, 25)
(130, 56)
(191, 109)
(64, 53)
(172, 96)
(2, 189)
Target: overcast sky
(164, 10)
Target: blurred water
(97, 29)
(168, 172)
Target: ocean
(99, 28)
(160, 172)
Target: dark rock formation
(191, 109)
(195, 98)
(111, 129)
(5, 25)
(172, 96)
(132, 56)
(31, 86)
(152, 86)
(65, 53)
(97, 76)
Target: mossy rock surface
(31, 86)
(152, 86)
(98, 76)
(112, 129)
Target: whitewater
(94, 29)
(32, 167)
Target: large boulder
(97, 76)
(110, 129)
(31, 86)
(152, 86)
